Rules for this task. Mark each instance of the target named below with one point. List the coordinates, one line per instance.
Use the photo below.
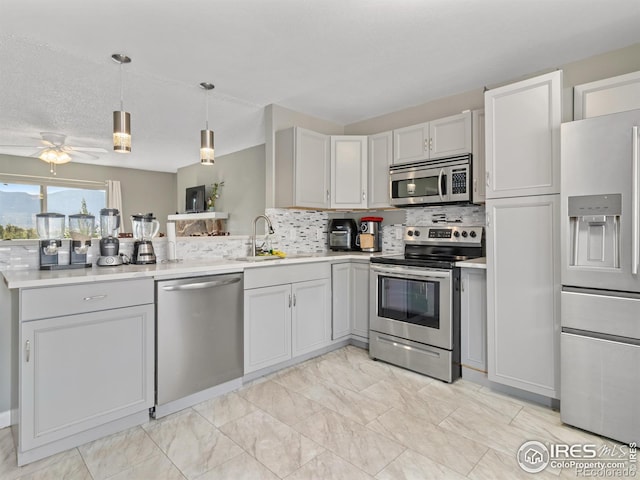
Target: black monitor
(195, 199)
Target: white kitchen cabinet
(349, 166)
(350, 299)
(360, 300)
(473, 319)
(302, 169)
(450, 136)
(443, 137)
(267, 326)
(82, 371)
(380, 158)
(287, 313)
(604, 97)
(523, 137)
(523, 293)
(310, 325)
(341, 300)
(478, 172)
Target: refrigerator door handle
(635, 199)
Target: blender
(109, 243)
(81, 228)
(50, 227)
(145, 227)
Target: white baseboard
(5, 419)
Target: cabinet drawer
(88, 297)
(279, 275)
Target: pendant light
(206, 135)
(121, 119)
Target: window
(19, 203)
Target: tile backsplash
(296, 231)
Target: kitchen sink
(258, 258)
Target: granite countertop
(474, 263)
(162, 270)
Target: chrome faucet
(254, 250)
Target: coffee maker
(50, 228)
(81, 228)
(109, 243)
(370, 238)
(145, 227)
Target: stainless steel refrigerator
(600, 339)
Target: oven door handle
(402, 273)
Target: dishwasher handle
(201, 285)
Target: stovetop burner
(437, 247)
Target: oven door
(413, 303)
(419, 186)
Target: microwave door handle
(440, 183)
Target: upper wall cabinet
(380, 158)
(611, 95)
(439, 138)
(478, 152)
(302, 177)
(349, 166)
(523, 137)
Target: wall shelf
(199, 216)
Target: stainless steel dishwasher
(199, 338)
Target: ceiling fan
(54, 151)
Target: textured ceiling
(342, 60)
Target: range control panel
(457, 235)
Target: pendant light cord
(121, 88)
(206, 106)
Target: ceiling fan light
(121, 132)
(48, 155)
(207, 155)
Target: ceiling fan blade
(21, 146)
(77, 153)
(56, 139)
(88, 149)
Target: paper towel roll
(171, 241)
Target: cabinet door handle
(462, 285)
(431, 144)
(487, 180)
(294, 299)
(488, 219)
(289, 300)
(364, 196)
(475, 185)
(95, 297)
(27, 350)
(426, 144)
(328, 196)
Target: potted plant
(214, 195)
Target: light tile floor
(338, 416)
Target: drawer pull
(409, 347)
(95, 297)
(27, 348)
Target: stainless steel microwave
(431, 182)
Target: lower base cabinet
(284, 318)
(473, 319)
(350, 300)
(78, 373)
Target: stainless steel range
(415, 300)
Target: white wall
(243, 193)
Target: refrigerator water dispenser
(594, 226)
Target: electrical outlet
(292, 234)
(398, 233)
(318, 234)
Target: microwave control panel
(459, 181)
